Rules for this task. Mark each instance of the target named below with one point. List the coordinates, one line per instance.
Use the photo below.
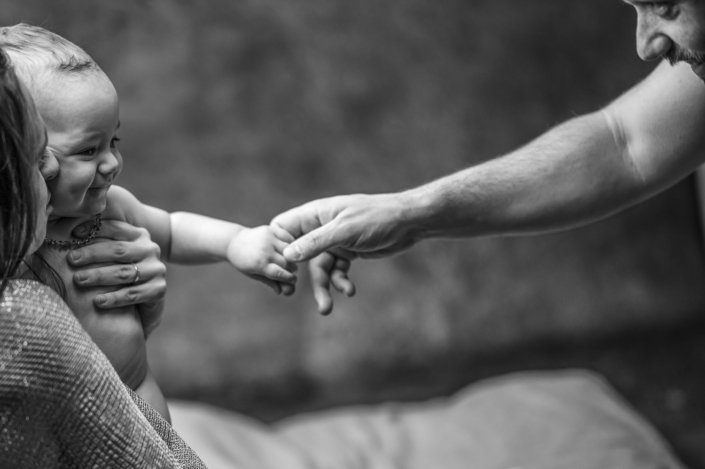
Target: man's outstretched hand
(340, 229)
(366, 226)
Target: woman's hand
(127, 247)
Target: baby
(79, 106)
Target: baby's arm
(256, 252)
(188, 238)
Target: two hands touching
(329, 233)
(259, 254)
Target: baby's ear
(281, 233)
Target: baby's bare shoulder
(120, 204)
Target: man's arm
(578, 172)
(586, 169)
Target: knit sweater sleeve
(62, 405)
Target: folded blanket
(547, 420)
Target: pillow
(544, 420)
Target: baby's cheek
(63, 193)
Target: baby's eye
(87, 152)
(113, 142)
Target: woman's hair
(17, 196)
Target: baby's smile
(82, 119)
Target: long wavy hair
(17, 196)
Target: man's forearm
(576, 173)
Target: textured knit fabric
(62, 405)
(185, 455)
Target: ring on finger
(137, 274)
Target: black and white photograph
(371, 234)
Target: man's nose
(49, 166)
(651, 42)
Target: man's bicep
(660, 123)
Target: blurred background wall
(242, 109)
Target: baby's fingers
(282, 234)
(288, 289)
(280, 274)
(276, 286)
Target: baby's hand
(257, 253)
(326, 269)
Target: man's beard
(696, 60)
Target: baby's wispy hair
(33, 50)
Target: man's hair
(33, 50)
(17, 196)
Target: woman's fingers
(119, 245)
(135, 294)
(118, 274)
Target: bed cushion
(545, 420)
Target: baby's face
(81, 113)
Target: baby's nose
(109, 165)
